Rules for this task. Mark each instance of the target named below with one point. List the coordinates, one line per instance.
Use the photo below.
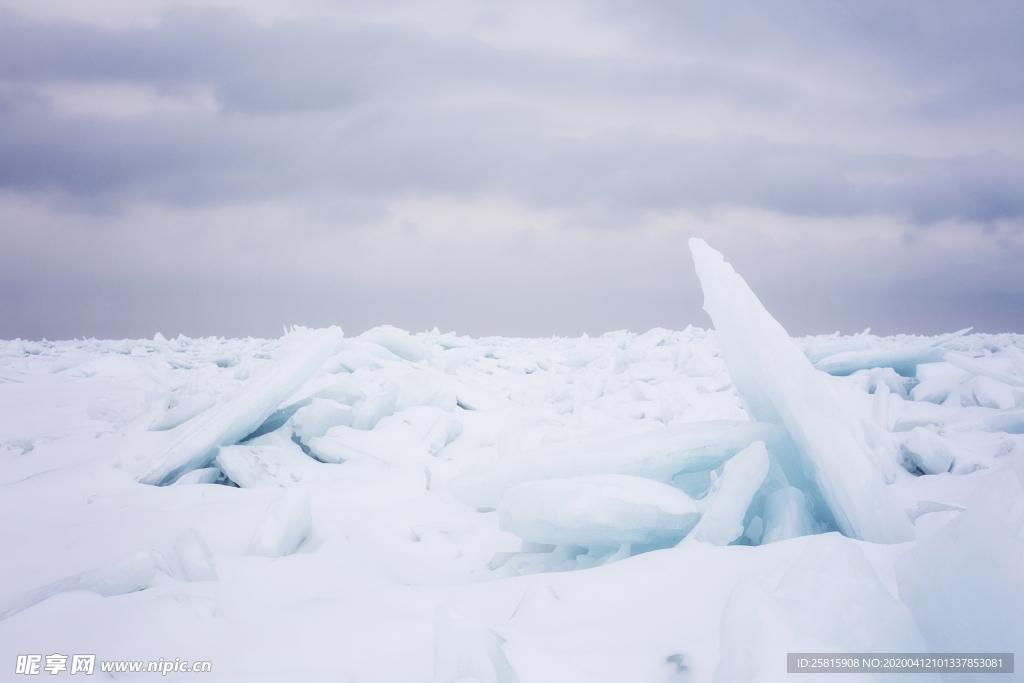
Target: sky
(507, 168)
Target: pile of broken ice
(799, 465)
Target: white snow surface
(348, 557)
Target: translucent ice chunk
(876, 431)
(977, 367)
(395, 446)
(937, 380)
(284, 526)
(206, 475)
(903, 360)
(229, 422)
(425, 389)
(444, 430)
(350, 361)
(1010, 421)
(342, 392)
(730, 496)
(1016, 358)
(884, 449)
(378, 404)
(255, 466)
(466, 651)
(990, 393)
(830, 460)
(787, 515)
(319, 416)
(656, 454)
(930, 452)
(817, 349)
(127, 575)
(880, 406)
(963, 582)
(890, 379)
(194, 557)
(932, 391)
(604, 510)
(398, 342)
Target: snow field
(669, 506)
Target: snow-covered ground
(431, 507)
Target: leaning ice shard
(786, 515)
(229, 422)
(777, 383)
(722, 521)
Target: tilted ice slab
(186, 409)
(982, 369)
(260, 465)
(779, 385)
(787, 515)
(931, 453)
(903, 360)
(731, 495)
(227, 423)
(320, 415)
(598, 510)
(1010, 421)
(658, 454)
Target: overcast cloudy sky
(523, 168)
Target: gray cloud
(335, 107)
(703, 107)
(963, 56)
(203, 158)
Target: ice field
(395, 507)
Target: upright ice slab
(779, 385)
(229, 422)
